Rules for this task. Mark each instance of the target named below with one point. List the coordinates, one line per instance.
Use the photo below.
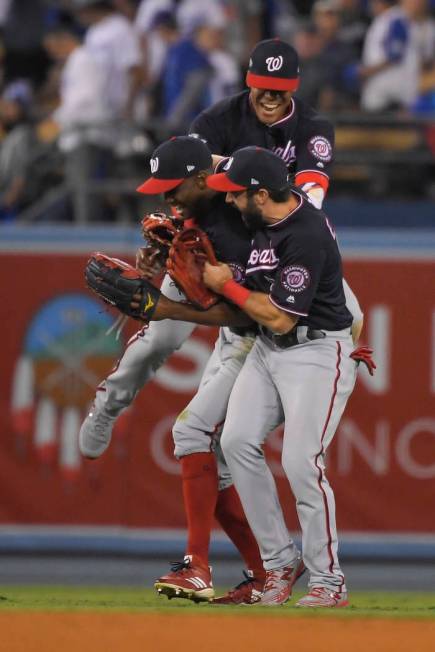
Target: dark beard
(252, 217)
(199, 208)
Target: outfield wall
(381, 463)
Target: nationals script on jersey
(298, 263)
(303, 139)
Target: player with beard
(301, 369)
(305, 142)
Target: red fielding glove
(364, 354)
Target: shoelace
(244, 583)
(318, 591)
(270, 582)
(177, 566)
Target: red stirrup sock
(230, 514)
(200, 490)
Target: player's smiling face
(269, 105)
(190, 199)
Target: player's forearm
(258, 306)
(221, 314)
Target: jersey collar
(285, 219)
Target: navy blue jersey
(303, 139)
(297, 262)
(230, 238)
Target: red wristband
(235, 293)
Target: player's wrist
(235, 292)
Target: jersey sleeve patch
(295, 278)
(320, 148)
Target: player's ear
(262, 196)
(200, 179)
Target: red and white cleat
(247, 592)
(279, 583)
(320, 596)
(186, 581)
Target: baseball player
(269, 116)
(148, 349)
(180, 167)
(299, 368)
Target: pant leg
(197, 428)
(144, 354)
(253, 411)
(82, 167)
(314, 381)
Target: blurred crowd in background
(88, 87)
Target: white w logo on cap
(154, 165)
(274, 63)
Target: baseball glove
(116, 282)
(158, 230)
(190, 249)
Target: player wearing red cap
(268, 115)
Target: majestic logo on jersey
(228, 164)
(274, 63)
(154, 165)
(238, 272)
(262, 259)
(320, 148)
(295, 278)
(287, 153)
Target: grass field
(92, 619)
(47, 598)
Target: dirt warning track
(124, 632)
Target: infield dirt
(124, 632)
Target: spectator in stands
(160, 34)
(157, 29)
(312, 80)
(22, 33)
(423, 33)
(354, 23)
(113, 41)
(187, 76)
(191, 13)
(83, 118)
(390, 62)
(335, 55)
(16, 148)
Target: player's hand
(147, 262)
(215, 276)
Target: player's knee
(298, 469)
(233, 445)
